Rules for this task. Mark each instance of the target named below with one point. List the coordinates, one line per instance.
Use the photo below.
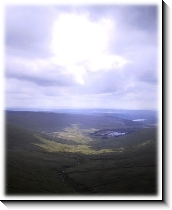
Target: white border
(49, 2)
(81, 2)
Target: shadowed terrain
(52, 153)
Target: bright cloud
(80, 44)
(81, 56)
(75, 38)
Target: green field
(51, 154)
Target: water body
(139, 120)
(115, 133)
(108, 133)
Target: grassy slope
(130, 172)
(131, 168)
(30, 169)
(41, 164)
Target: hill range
(50, 153)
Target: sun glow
(80, 44)
(75, 38)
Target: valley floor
(74, 162)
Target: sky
(81, 56)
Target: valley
(79, 154)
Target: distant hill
(49, 122)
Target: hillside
(69, 160)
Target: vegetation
(51, 146)
(67, 159)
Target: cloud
(40, 72)
(28, 30)
(81, 56)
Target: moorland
(72, 153)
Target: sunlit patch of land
(82, 138)
(76, 134)
(51, 146)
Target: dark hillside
(29, 169)
(36, 164)
(129, 140)
(51, 122)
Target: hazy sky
(81, 56)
